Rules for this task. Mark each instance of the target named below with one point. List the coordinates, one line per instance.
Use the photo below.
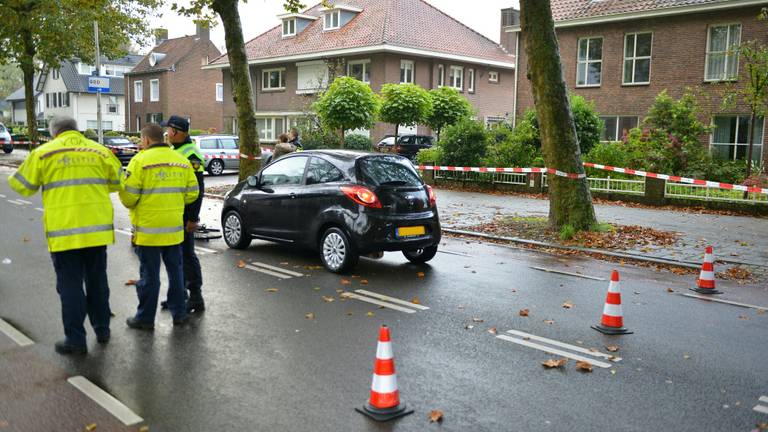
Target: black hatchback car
(342, 203)
(122, 147)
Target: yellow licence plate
(411, 231)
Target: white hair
(60, 124)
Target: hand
(191, 226)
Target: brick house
(621, 54)
(169, 80)
(376, 42)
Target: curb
(575, 248)
(214, 196)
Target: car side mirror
(253, 181)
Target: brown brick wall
(678, 57)
(141, 109)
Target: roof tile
(565, 10)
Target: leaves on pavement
(345, 282)
(91, 427)
(478, 320)
(241, 264)
(670, 290)
(567, 304)
(492, 330)
(524, 312)
(552, 363)
(549, 321)
(415, 300)
(584, 366)
(363, 281)
(328, 299)
(435, 416)
(309, 316)
(469, 327)
(612, 348)
(271, 290)
(370, 314)
(130, 282)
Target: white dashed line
(2, 196)
(554, 351)
(269, 272)
(39, 209)
(392, 299)
(23, 201)
(744, 305)
(763, 399)
(202, 249)
(14, 334)
(564, 345)
(278, 269)
(105, 400)
(15, 202)
(761, 409)
(377, 302)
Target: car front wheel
(235, 234)
(7, 149)
(216, 167)
(420, 256)
(336, 251)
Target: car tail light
(432, 196)
(362, 195)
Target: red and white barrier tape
(18, 142)
(503, 170)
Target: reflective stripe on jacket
(76, 176)
(159, 182)
(190, 149)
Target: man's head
(60, 124)
(178, 129)
(294, 133)
(151, 134)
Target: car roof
(344, 155)
(213, 136)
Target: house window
(723, 52)
(331, 20)
(109, 70)
(138, 91)
(616, 127)
(154, 90)
(219, 92)
(491, 121)
(112, 105)
(93, 124)
(493, 77)
(273, 79)
(590, 64)
(406, 71)
(312, 76)
(471, 80)
(155, 118)
(440, 75)
(456, 77)
(65, 98)
(289, 27)
(637, 58)
(730, 137)
(360, 70)
(47, 100)
(269, 128)
(55, 74)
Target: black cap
(177, 122)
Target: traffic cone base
(611, 330)
(384, 414)
(706, 290)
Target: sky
(258, 16)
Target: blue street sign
(98, 84)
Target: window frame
(452, 77)
(760, 142)
(138, 96)
(289, 22)
(366, 63)
(270, 129)
(494, 74)
(441, 75)
(404, 66)
(116, 105)
(152, 97)
(634, 60)
(618, 121)
(470, 80)
(219, 92)
(587, 61)
(328, 16)
(264, 82)
(727, 43)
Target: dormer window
(332, 19)
(337, 16)
(289, 27)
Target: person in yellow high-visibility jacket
(158, 183)
(76, 176)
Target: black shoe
(103, 339)
(138, 325)
(65, 348)
(181, 321)
(195, 307)
(164, 305)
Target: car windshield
(120, 141)
(388, 170)
(2, 128)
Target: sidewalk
(15, 158)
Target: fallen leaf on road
(328, 299)
(355, 277)
(461, 307)
(144, 429)
(345, 282)
(3, 424)
(241, 264)
(549, 321)
(283, 263)
(613, 371)
(761, 311)
(524, 312)
(514, 290)
(492, 330)
(420, 274)
(469, 327)
(612, 348)
(349, 313)
(90, 427)
(415, 300)
(435, 416)
(272, 290)
(309, 316)
(686, 356)
(370, 314)
(552, 363)
(363, 281)
(478, 320)
(743, 317)
(130, 282)
(670, 290)
(567, 305)
(584, 366)
(25, 239)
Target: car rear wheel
(336, 251)
(216, 167)
(420, 256)
(235, 234)
(7, 149)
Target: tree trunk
(343, 139)
(750, 136)
(242, 88)
(570, 202)
(27, 64)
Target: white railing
(478, 177)
(607, 184)
(703, 192)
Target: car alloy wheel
(234, 233)
(334, 251)
(216, 167)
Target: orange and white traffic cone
(384, 403)
(705, 284)
(612, 322)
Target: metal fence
(607, 184)
(478, 177)
(702, 192)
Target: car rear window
(388, 170)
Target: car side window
(208, 144)
(406, 140)
(228, 143)
(322, 171)
(288, 171)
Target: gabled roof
(127, 60)
(18, 95)
(77, 83)
(174, 49)
(405, 26)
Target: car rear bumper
(380, 232)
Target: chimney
(202, 31)
(161, 35)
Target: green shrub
(509, 149)
(196, 132)
(113, 133)
(316, 138)
(607, 153)
(464, 144)
(91, 134)
(357, 142)
(587, 120)
(432, 155)
(567, 232)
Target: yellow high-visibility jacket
(76, 176)
(159, 182)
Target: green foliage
(510, 148)
(567, 232)
(91, 134)
(448, 108)
(347, 104)
(357, 142)
(432, 155)
(465, 143)
(196, 132)
(113, 133)
(313, 138)
(587, 120)
(404, 104)
(10, 79)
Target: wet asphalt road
(254, 362)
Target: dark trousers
(148, 287)
(193, 275)
(73, 268)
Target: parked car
(222, 152)
(386, 145)
(122, 147)
(409, 145)
(5, 139)
(341, 203)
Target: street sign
(98, 84)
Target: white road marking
(200, 248)
(278, 269)
(105, 400)
(2, 196)
(377, 302)
(392, 299)
(554, 351)
(763, 399)
(39, 209)
(455, 253)
(15, 335)
(15, 202)
(269, 272)
(761, 409)
(568, 273)
(565, 345)
(23, 201)
(124, 232)
(744, 305)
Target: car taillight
(361, 195)
(432, 196)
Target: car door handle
(292, 195)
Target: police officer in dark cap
(178, 136)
